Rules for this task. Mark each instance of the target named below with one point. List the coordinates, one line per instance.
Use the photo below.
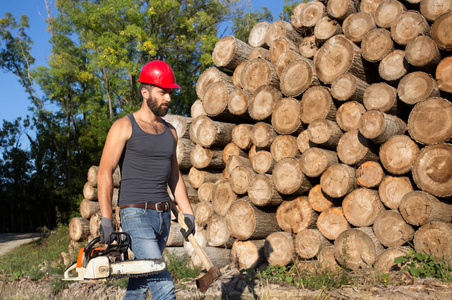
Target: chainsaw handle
(66, 275)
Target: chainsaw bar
(137, 268)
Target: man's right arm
(117, 137)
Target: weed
(423, 265)
(180, 268)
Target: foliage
(180, 268)
(423, 265)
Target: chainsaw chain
(137, 275)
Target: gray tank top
(145, 166)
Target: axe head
(207, 279)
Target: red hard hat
(158, 73)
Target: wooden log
(89, 192)
(284, 59)
(434, 239)
(416, 87)
(229, 52)
(288, 177)
(384, 263)
(308, 47)
(175, 237)
(284, 146)
(259, 52)
(317, 103)
(381, 96)
(197, 177)
(349, 114)
(245, 221)
(338, 180)
(369, 174)
(444, 74)
(212, 133)
(341, 9)
(197, 109)
(261, 191)
(327, 261)
(235, 161)
(184, 148)
(258, 72)
(337, 56)
(297, 76)
(238, 103)
(357, 25)
(92, 175)
(296, 215)
(430, 121)
(376, 45)
(194, 127)
(205, 192)
(407, 26)
(263, 135)
(248, 254)
(203, 211)
(191, 191)
(286, 117)
(220, 257)
(215, 101)
(79, 229)
(217, 232)
(393, 67)
(200, 237)
(354, 149)
(419, 208)
(354, 249)
(318, 199)
(423, 53)
(94, 225)
(432, 9)
(432, 170)
(263, 101)
(279, 46)
(88, 208)
(282, 28)
(279, 249)
(237, 75)
(347, 87)
(325, 133)
(222, 196)
(232, 149)
(308, 267)
(314, 161)
(303, 142)
(309, 242)
(388, 12)
(307, 14)
(203, 158)
(369, 6)
(398, 153)
(263, 162)
(362, 206)
(258, 33)
(240, 178)
(209, 76)
(326, 28)
(379, 127)
(241, 136)
(393, 189)
(181, 124)
(439, 31)
(331, 222)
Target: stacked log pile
(328, 137)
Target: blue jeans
(149, 231)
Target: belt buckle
(165, 207)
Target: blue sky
(14, 101)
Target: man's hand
(190, 222)
(106, 228)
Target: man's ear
(144, 92)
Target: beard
(158, 110)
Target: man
(144, 146)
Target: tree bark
(419, 208)
(398, 153)
(219, 257)
(181, 124)
(393, 189)
(279, 249)
(175, 237)
(229, 52)
(296, 215)
(184, 148)
(94, 225)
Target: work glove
(106, 228)
(190, 222)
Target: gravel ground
(9, 241)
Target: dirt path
(9, 241)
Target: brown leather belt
(162, 206)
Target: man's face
(159, 101)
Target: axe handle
(199, 250)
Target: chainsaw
(112, 261)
